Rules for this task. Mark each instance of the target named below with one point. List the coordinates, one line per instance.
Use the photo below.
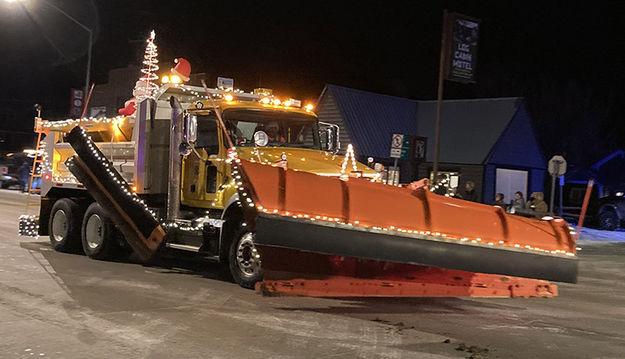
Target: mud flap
(139, 227)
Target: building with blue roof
(490, 142)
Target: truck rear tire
(64, 225)
(99, 235)
(244, 259)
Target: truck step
(184, 247)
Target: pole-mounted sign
(75, 103)
(462, 52)
(557, 168)
(397, 142)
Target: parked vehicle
(606, 213)
(10, 182)
(610, 213)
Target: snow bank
(590, 236)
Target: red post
(582, 214)
(84, 109)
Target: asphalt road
(60, 305)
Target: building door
(510, 181)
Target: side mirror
(190, 129)
(329, 135)
(185, 149)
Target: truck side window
(207, 134)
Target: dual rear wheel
(94, 232)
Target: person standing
(499, 201)
(24, 172)
(468, 193)
(518, 203)
(537, 204)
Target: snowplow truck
(256, 184)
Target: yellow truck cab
(276, 134)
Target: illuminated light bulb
(175, 79)
(287, 103)
(277, 102)
(228, 97)
(165, 79)
(309, 107)
(265, 100)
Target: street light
(82, 26)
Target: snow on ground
(590, 236)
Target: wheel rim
(59, 225)
(607, 221)
(94, 233)
(248, 258)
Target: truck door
(204, 169)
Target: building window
(509, 182)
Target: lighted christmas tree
(349, 154)
(146, 86)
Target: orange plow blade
(292, 272)
(354, 218)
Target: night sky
(567, 60)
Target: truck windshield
(248, 128)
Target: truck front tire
(64, 225)
(244, 259)
(99, 235)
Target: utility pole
(439, 100)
